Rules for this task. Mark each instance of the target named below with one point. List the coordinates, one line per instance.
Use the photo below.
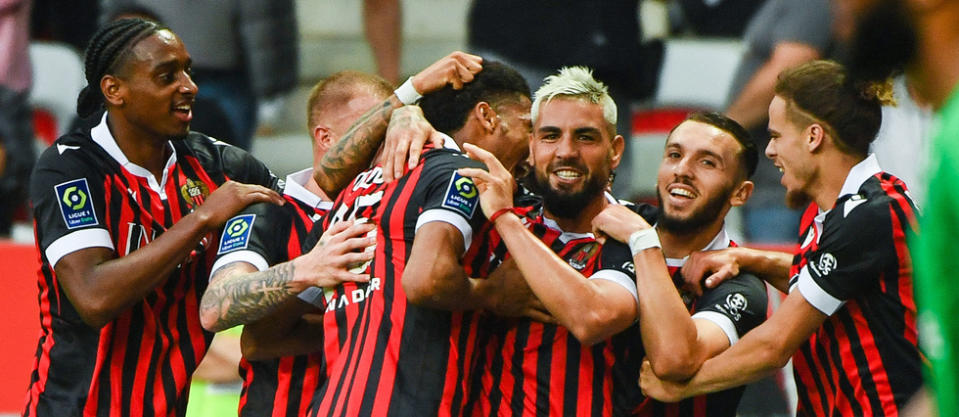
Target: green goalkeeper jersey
(936, 252)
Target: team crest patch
(236, 233)
(76, 204)
(582, 256)
(194, 192)
(461, 195)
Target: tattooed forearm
(238, 298)
(353, 152)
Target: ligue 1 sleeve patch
(236, 233)
(461, 195)
(76, 203)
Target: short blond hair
(578, 83)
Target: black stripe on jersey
(544, 359)
(859, 357)
(820, 388)
(571, 388)
(497, 365)
(599, 374)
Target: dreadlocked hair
(107, 49)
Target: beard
(698, 220)
(884, 42)
(565, 204)
(797, 199)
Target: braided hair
(108, 49)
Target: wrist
(407, 93)
(498, 213)
(642, 240)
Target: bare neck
(584, 222)
(834, 167)
(140, 147)
(680, 245)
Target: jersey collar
(449, 143)
(859, 174)
(568, 236)
(296, 188)
(720, 241)
(102, 136)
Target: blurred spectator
(537, 37)
(16, 132)
(382, 22)
(782, 34)
(245, 52)
(713, 18)
(70, 21)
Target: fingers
(720, 276)
(258, 193)
(397, 157)
(477, 174)
(389, 148)
(484, 156)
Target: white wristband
(643, 239)
(407, 93)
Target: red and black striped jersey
(528, 368)
(264, 235)
(737, 306)
(854, 266)
(85, 194)
(390, 357)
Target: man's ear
(322, 137)
(485, 116)
(815, 136)
(113, 90)
(616, 151)
(741, 195)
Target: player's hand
(618, 222)
(406, 134)
(510, 296)
(455, 69)
(662, 390)
(495, 184)
(715, 266)
(340, 249)
(230, 198)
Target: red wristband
(500, 212)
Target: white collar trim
(858, 175)
(720, 241)
(296, 188)
(449, 143)
(102, 136)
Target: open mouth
(681, 191)
(184, 111)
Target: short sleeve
(856, 245)
(448, 196)
(69, 206)
(737, 305)
(616, 265)
(239, 165)
(254, 236)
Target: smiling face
(155, 91)
(573, 153)
(789, 152)
(699, 176)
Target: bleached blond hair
(578, 83)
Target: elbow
(775, 354)
(417, 293)
(250, 349)
(674, 365)
(210, 320)
(96, 312)
(592, 327)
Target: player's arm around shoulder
(248, 289)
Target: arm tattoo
(245, 298)
(353, 152)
